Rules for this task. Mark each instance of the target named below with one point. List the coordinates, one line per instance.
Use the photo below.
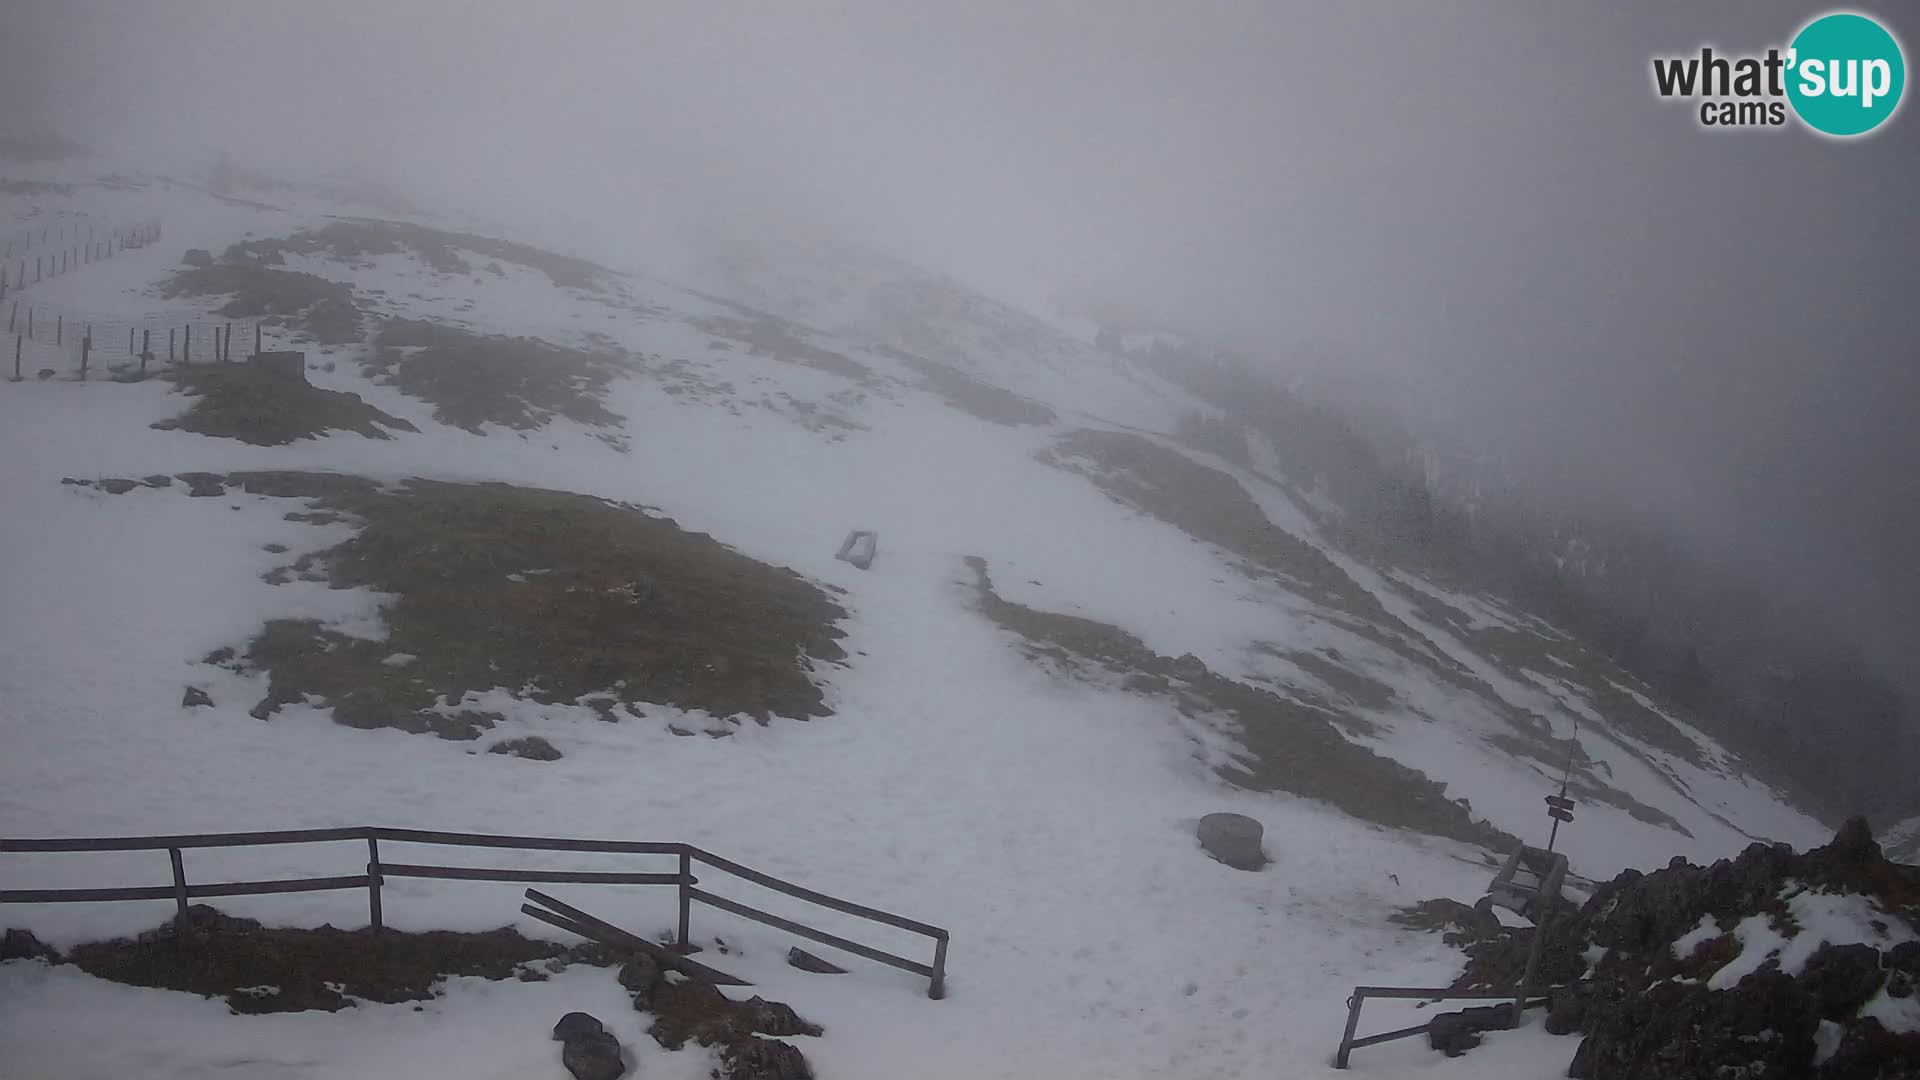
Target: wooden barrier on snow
(180, 891)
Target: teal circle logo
(1845, 74)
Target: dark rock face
(195, 698)
(118, 485)
(1761, 1030)
(1840, 979)
(199, 257)
(806, 961)
(1646, 1013)
(22, 945)
(1455, 1033)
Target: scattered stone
(116, 485)
(678, 730)
(532, 747)
(76, 481)
(1233, 839)
(195, 698)
(275, 549)
(44, 374)
(199, 257)
(806, 961)
(157, 480)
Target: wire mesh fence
(45, 343)
(29, 256)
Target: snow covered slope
(1080, 635)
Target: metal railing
(1348, 1043)
(181, 891)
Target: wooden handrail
(378, 869)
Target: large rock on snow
(1233, 839)
(590, 1051)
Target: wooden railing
(181, 891)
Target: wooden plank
(809, 895)
(150, 843)
(288, 885)
(809, 932)
(613, 935)
(531, 843)
(1387, 1036)
(1417, 992)
(481, 873)
(81, 896)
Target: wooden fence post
(13, 314)
(186, 350)
(373, 883)
(228, 354)
(179, 892)
(256, 339)
(29, 323)
(59, 329)
(1346, 1040)
(129, 341)
(169, 344)
(86, 350)
(17, 339)
(686, 899)
(937, 989)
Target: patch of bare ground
(1289, 746)
(560, 598)
(311, 306)
(261, 969)
(245, 402)
(970, 395)
(355, 240)
(1582, 783)
(1209, 505)
(776, 338)
(474, 379)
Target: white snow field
(1045, 820)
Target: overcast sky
(1484, 203)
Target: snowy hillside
(1079, 636)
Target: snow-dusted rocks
(1233, 839)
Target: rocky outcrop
(1635, 967)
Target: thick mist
(1519, 249)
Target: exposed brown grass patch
(1290, 746)
(260, 969)
(473, 379)
(358, 239)
(241, 401)
(310, 305)
(560, 598)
